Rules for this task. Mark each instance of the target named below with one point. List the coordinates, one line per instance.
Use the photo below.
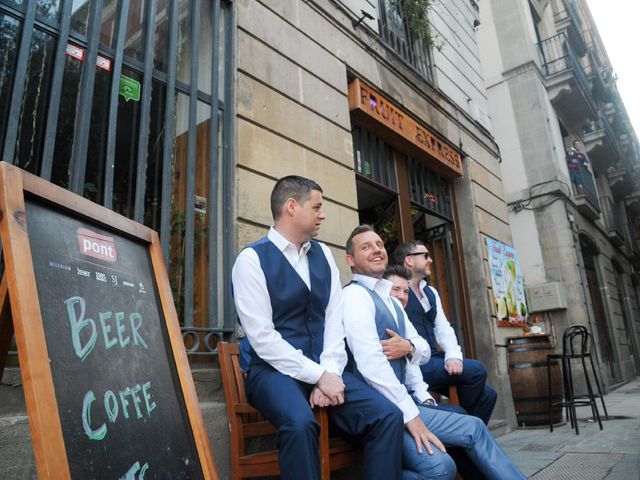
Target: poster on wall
(508, 287)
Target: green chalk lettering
(106, 328)
(101, 432)
(151, 405)
(136, 322)
(124, 340)
(78, 324)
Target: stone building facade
(397, 134)
(573, 212)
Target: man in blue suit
(447, 366)
(288, 297)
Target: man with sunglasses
(447, 366)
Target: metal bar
(56, 92)
(143, 139)
(112, 127)
(228, 167)
(169, 125)
(15, 105)
(191, 165)
(85, 102)
(212, 195)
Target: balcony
(623, 180)
(613, 221)
(568, 22)
(394, 30)
(566, 80)
(585, 193)
(600, 143)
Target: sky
(617, 20)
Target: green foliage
(416, 15)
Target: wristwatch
(412, 351)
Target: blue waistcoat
(298, 314)
(385, 320)
(423, 321)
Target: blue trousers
(366, 418)
(462, 431)
(464, 465)
(476, 397)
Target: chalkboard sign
(110, 394)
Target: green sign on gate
(129, 88)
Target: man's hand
(318, 399)
(395, 347)
(453, 366)
(331, 385)
(423, 436)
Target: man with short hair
(370, 313)
(289, 301)
(446, 367)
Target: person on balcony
(575, 159)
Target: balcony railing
(613, 220)
(586, 186)
(557, 57)
(602, 123)
(395, 33)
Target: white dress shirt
(253, 305)
(363, 340)
(445, 335)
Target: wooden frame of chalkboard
(52, 371)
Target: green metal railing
(612, 217)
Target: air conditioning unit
(545, 296)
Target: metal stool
(575, 345)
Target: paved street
(612, 454)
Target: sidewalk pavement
(612, 454)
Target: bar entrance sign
(107, 384)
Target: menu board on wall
(508, 287)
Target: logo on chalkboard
(95, 245)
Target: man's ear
(408, 262)
(290, 206)
(350, 261)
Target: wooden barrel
(528, 375)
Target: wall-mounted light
(355, 23)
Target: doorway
(602, 336)
(404, 200)
(623, 301)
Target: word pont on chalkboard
(107, 384)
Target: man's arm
(363, 340)
(416, 385)
(445, 335)
(333, 357)
(253, 305)
(395, 347)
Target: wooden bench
(245, 422)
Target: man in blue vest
(371, 314)
(289, 301)
(447, 366)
